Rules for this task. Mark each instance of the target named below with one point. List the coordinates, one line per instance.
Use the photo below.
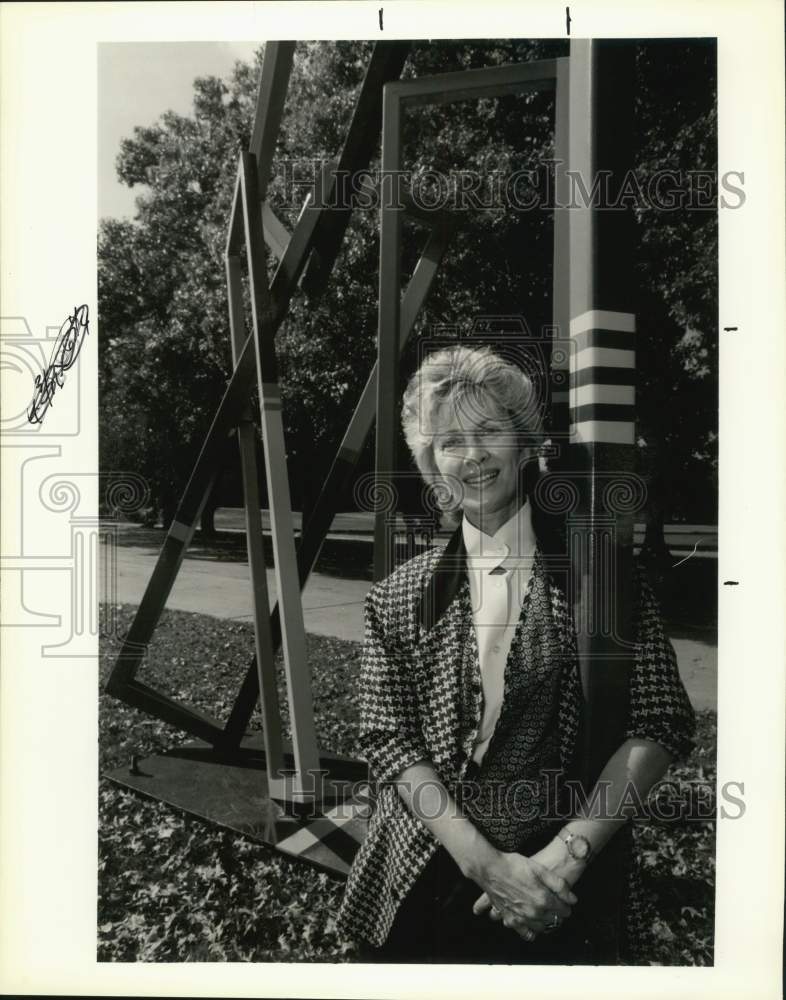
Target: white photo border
(48, 708)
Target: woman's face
(475, 444)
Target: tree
(164, 344)
(677, 401)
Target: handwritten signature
(66, 350)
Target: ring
(555, 922)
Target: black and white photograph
(438, 317)
(414, 561)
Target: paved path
(332, 606)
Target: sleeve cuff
(679, 745)
(389, 753)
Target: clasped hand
(524, 894)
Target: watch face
(579, 847)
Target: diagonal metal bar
(172, 552)
(199, 724)
(235, 227)
(271, 712)
(386, 63)
(301, 713)
(277, 236)
(344, 463)
(276, 70)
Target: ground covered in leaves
(175, 889)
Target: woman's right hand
(525, 892)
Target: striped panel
(613, 339)
(589, 395)
(602, 411)
(603, 357)
(603, 432)
(602, 378)
(603, 319)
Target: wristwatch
(579, 848)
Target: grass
(175, 889)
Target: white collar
(516, 537)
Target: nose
(476, 453)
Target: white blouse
(499, 568)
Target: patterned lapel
(444, 582)
(570, 705)
(447, 654)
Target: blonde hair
(470, 379)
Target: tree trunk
(654, 546)
(655, 552)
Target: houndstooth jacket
(420, 684)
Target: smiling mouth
(484, 480)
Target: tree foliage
(677, 323)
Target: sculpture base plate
(230, 789)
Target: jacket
(420, 698)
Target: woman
(469, 704)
